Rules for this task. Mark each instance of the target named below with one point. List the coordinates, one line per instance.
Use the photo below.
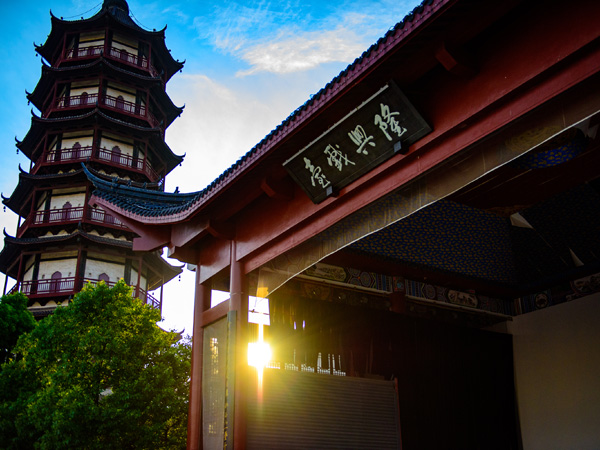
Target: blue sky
(248, 66)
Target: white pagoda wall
(58, 201)
(109, 141)
(84, 137)
(124, 43)
(91, 39)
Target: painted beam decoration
(380, 127)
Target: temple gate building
(103, 103)
(426, 232)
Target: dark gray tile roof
(140, 200)
(34, 241)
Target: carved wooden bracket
(220, 230)
(454, 61)
(278, 189)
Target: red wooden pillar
(5, 284)
(149, 58)
(78, 282)
(139, 280)
(238, 302)
(63, 53)
(20, 273)
(95, 142)
(201, 303)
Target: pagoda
(103, 104)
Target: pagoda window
(104, 277)
(76, 149)
(55, 281)
(83, 93)
(79, 143)
(66, 211)
(122, 98)
(115, 155)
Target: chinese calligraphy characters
(387, 120)
(316, 174)
(384, 125)
(360, 138)
(335, 158)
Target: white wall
(91, 39)
(557, 375)
(89, 86)
(94, 268)
(84, 141)
(65, 266)
(125, 43)
(126, 149)
(115, 90)
(58, 201)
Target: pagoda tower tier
(106, 143)
(102, 105)
(108, 85)
(52, 268)
(113, 33)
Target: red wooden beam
(289, 224)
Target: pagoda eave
(18, 202)
(40, 125)
(116, 20)
(52, 74)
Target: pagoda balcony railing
(113, 53)
(113, 103)
(82, 154)
(67, 216)
(68, 286)
(76, 101)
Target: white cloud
(219, 124)
(179, 14)
(303, 52)
(281, 39)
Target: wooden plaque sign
(380, 127)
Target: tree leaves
(15, 320)
(97, 374)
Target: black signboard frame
(383, 125)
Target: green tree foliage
(98, 374)
(15, 320)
